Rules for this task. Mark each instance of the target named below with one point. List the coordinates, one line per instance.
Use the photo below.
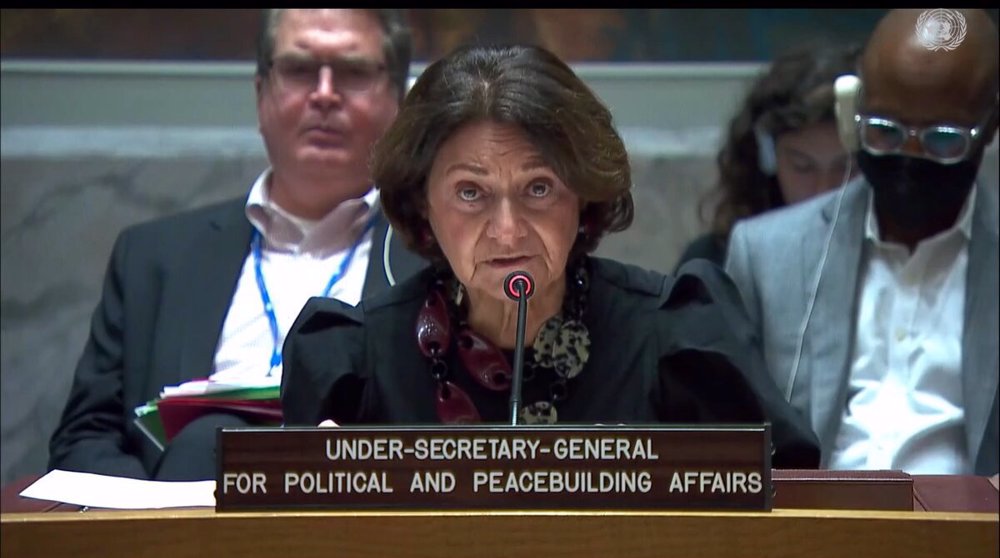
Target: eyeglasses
(349, 75)
(942, 143)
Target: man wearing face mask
(878, 313)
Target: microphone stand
(518, 373)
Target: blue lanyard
(255, 247)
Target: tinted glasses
(942, 143)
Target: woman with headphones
(782, 146)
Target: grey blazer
(774, 259)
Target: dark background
(598, 35)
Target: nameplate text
(495, 467)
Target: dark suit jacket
(663, 349)
(705, 247)
(166, 293)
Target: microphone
(518, 286)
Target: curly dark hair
(795, 91)
(530, 88)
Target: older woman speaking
(502, 159)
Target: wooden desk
(30, 528)
(777, 534)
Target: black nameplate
(495, 467)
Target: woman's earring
(588, 227)
(426, 238)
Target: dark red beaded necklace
(484, 362)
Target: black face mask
(917, 193)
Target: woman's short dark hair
(795, 91)
(525, 86)
(396, 46)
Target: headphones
(767, 160)
(847, 90)
(386, 263)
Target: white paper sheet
(203, 386)
(101, 491)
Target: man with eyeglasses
(212, 292)
(877, 304)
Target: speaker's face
(496, 206)
(810, 161)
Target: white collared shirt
(298, 258)
(904, 405)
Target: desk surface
(971, 531)
(776, 534)
(794, 489)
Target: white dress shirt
(904, 405)
(298, 259)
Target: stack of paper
(162, 418)
(101, 491)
